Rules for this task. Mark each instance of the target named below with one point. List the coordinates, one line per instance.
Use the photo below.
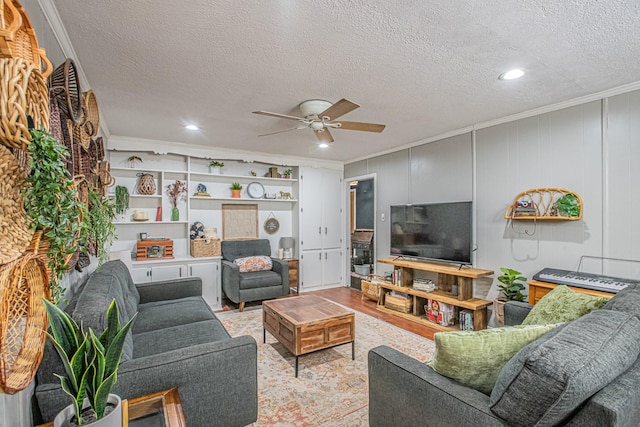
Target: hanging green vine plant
(50, 202)
(99, 231)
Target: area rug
(331, 389)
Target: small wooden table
(163, 408)
(307, 323)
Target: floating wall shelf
(542, 204)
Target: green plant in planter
(50, 202)
(122, 199)
(90, 362)
(100, 231)
(512, 285)
(288, 173)
(216, 164)
(568, 205)
(236, 186)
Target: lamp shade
(287, 242)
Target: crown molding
(62, 37)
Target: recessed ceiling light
(511, 74)
(192, 127)
(323, 145)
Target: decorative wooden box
(154, 249)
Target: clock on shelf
(255, 190)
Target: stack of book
(466, 320)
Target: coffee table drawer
(326, 334)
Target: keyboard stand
(539, 289)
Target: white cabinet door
(331, 209)
(141, 274)
(209, 272)
(332, 267)
(167, 272)
(311, 209)
(311, 270)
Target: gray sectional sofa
(583, 373)
(176, 341)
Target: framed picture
(143, 236)
(239, 222)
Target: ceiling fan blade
(281, 131)
(338, 109)
(324, 136)
(280, 116)
(367, 127)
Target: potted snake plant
(90, 367)
(511, 288)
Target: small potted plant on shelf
(122, 201)
(287, 173)
(567, 205)
(176, 192)
(511, 288)
(90, 367)
(216, 166)
(235, 190)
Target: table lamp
(287, 244)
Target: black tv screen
(438, 231)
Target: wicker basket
(205, 247)
(370, 290)
(23, 284)
(18, 38)
(23, 95)
(398, 303)
(92, 113)
(66, 85)
(15, 233)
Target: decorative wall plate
(271, 225)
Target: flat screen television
(436, 231)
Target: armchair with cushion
(249, 273)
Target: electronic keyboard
(583, 280)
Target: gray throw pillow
(627, 300)
(549, 378)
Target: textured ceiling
(423, 68)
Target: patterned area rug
(331, 389)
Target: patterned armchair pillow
(253, 263)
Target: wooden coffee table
(307, 323)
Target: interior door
(331, 209)
(311, 218)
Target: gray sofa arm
(515, 312)
(217, 382)
(406, 392)
(170, 289)
(282, 268)
(231, 280)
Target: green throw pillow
(475, 358)
(562, 305)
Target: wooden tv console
(447, 277)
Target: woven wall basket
(15, 234)
(92, 113)
(18, 38)
(23, 93)
(23, 320)
(66, 86)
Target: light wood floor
(352, 298)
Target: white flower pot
(215, 170)
(112, 419)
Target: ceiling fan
(320, 115)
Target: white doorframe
(347, 238)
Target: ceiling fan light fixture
(192, 127)
(323, 145)
(511, 74)
(317, 126)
